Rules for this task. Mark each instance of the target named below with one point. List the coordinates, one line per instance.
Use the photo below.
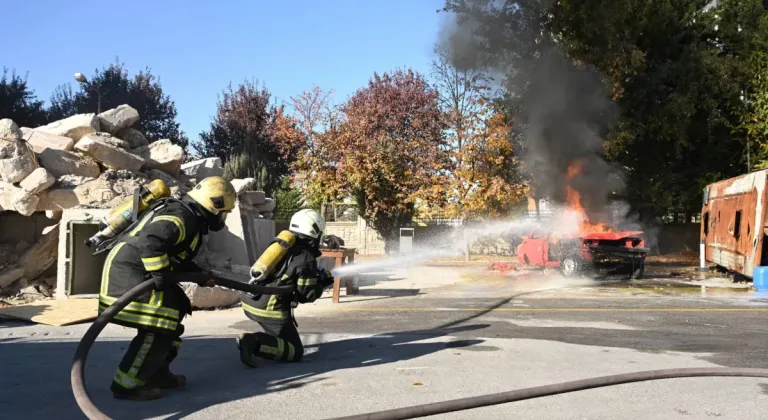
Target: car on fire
(587, 253)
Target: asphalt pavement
(429, 336)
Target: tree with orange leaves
(484, 180)
(384, 151)
(487, 180)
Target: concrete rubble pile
(86, 161)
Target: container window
(706, 223)
(737, 225)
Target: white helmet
(308, 222)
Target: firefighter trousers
(280, 340)
(148, 356)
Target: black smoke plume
(563, 110)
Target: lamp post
(80, 77)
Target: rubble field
(86, 161)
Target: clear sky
(197, 47)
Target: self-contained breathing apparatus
(145, 202)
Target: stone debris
(110, 156)
(162, 155)
(203, 168)
(116, 119)
(110, 139)
(19, 161)
(24, 202)
(62, 163)
(39, 141)
(243, 185)
(90, 161)
(9, 130)
(134, 137)
(38, 181)
(74, 127)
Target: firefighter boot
(247, 345)
(165, 379)
(142, 393)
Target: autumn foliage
(486, 179)
(385, 149)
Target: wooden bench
(341, 257)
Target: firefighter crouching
(297, 266)
(163, 240)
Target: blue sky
(197, 47)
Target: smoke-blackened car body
(587, 253)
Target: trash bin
(760, 279)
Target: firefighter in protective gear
(280, 340)
(163, 242)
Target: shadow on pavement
(212, 366)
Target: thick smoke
(565, 111)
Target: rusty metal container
(733, 222)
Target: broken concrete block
(61, 162)
(40, 256)
(203, 168)
(253, 198)
(39, 180)
(94, 192)
(111, 156)
(268, 206)
(242, 185)
(162, 155)
(109, 139)
(134, 137)
(58, 199)
(74, 127)
(210, 297)
(25, 203)
(118, 118)
(40, 140)
(9, 130)
(17, 161)
(7, 192)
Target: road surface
(390, 348)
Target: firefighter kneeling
(290, 260)
(162, 242)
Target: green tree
(112, 87)
(289, 199)
(671, 70)
(19, 103)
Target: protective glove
(325, 277)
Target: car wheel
(637, 271)
(570, 266)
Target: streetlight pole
(80, 77)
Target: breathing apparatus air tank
(121, 216)
(272, 255)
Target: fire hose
(77, 373)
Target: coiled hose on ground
(93, 413)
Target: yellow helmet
(215, 194)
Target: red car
(605, 251)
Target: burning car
(612, 252)
(589, 247)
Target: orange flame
(573, 203)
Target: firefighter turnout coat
(298, 268)
(164, 240)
